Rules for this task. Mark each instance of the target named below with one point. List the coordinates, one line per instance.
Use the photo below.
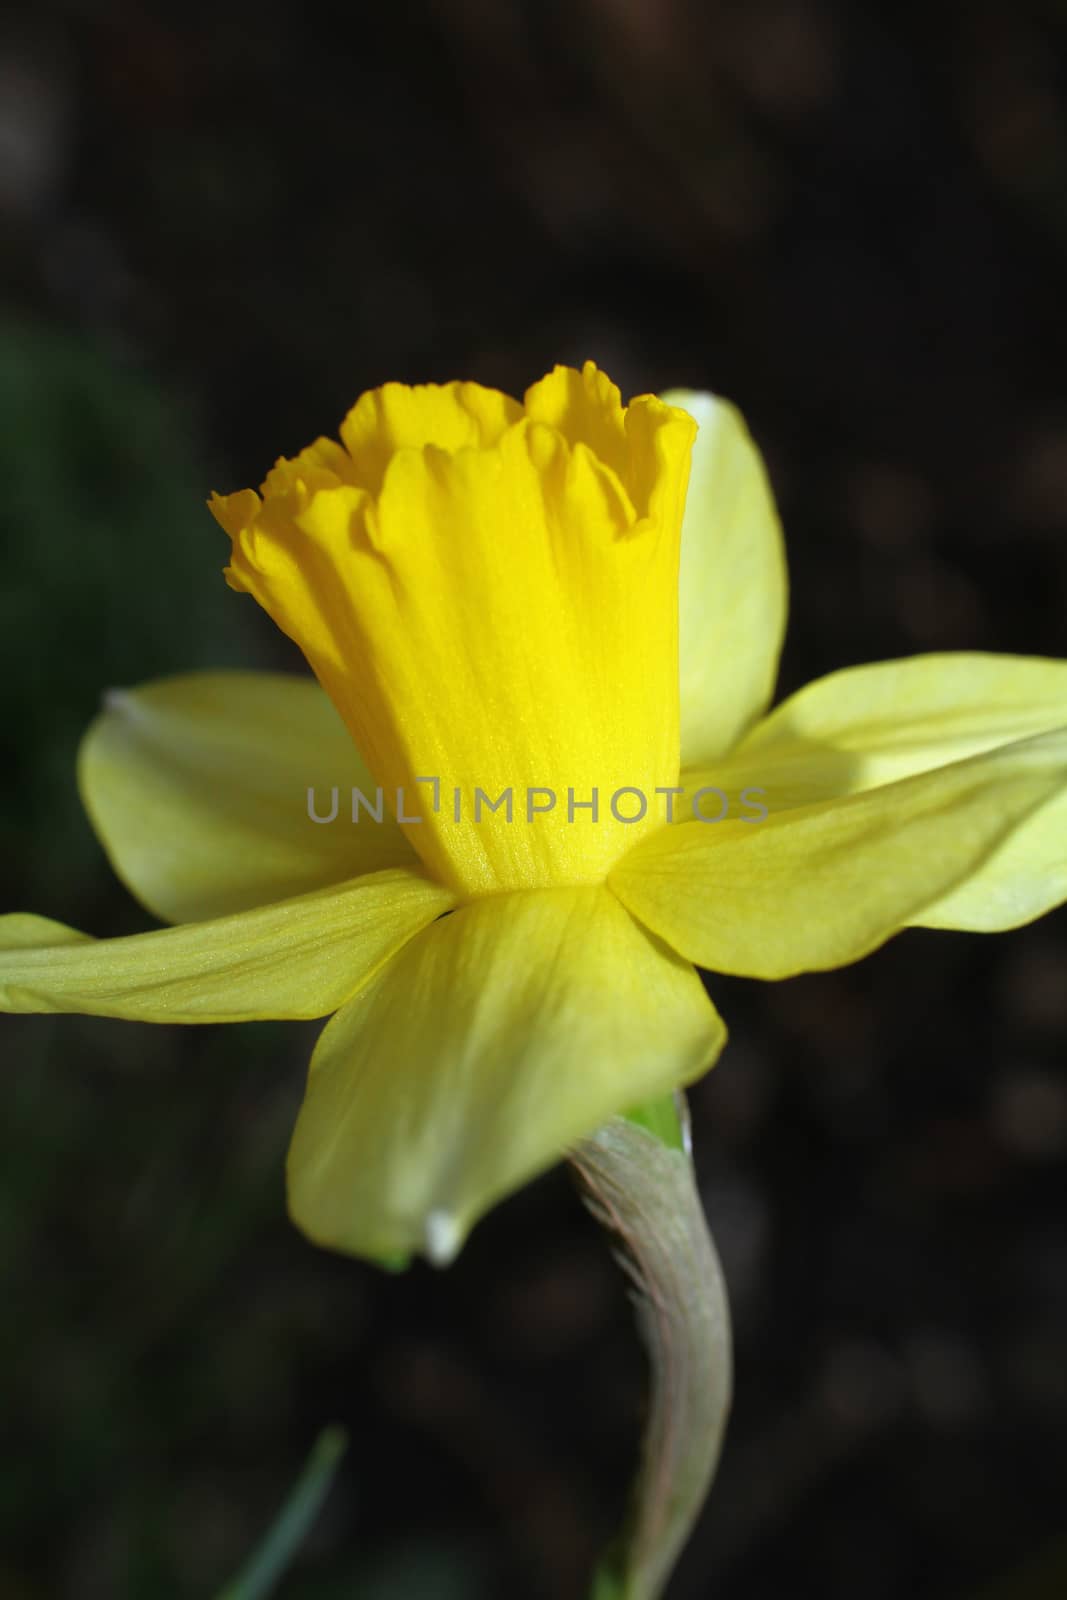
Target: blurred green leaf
(266, 1567)
(112, 572)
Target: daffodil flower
(505, 597)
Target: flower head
(507, 599)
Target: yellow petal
(1022, 879)
(455, 416)
(496, 1039)
(733, 584)
(198, 789)
(301, 958)
(875, 724)
(489, 595)
(821, 885)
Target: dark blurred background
(220, 224)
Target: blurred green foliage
(112, 574)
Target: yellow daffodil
(554, 697)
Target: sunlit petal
(300, 958)
(820, 885)
(198, 789)
(874, 724)
(732, 589)
(498, 1037)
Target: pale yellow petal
(820, 885)
(1025, 877)
(301, 958)
(499, 1036)
(873, 724)
(198, 789)
(876, 724)
(732, 592)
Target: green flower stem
(637, 1179)
(266, 1567)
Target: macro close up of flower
(549, 788)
